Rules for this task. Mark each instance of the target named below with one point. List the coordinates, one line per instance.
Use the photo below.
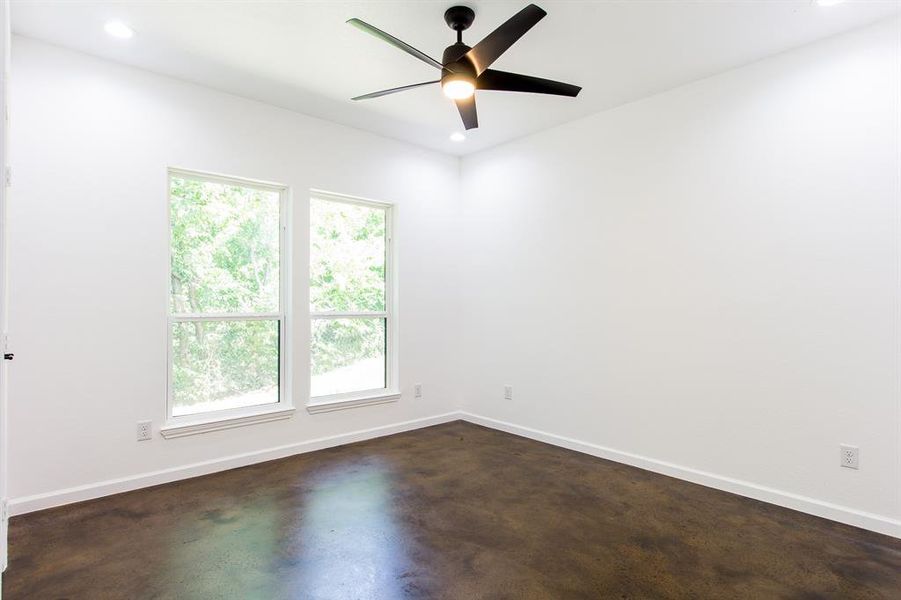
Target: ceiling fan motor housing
(458, 18)
(455, 65)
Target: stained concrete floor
(453, 511)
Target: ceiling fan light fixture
(466, 68)
(458, 87)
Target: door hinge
(8, 176)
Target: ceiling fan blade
(496, 43)
(467, 108)
(387, 37)
(503, 81)
(394, 90)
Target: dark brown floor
(453, 511)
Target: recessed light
(828, 2)
(457, 137)
(119, 30)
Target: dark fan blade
(496, 43)
(386, 37)
(394, 90)
(514, 82)
(467, 108)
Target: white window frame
(179, 426)
(389, 393)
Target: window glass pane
(348, 355)
(347, 257)
(224, 364)
(225, 248)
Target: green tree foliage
(225, 248)
(224, 259)
(347, 274)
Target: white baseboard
(27, 504)
(842, 514)
(4, 529)
(878, 523)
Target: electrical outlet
(417, 390)
(850, 456)
(508, 392)
(145, 430)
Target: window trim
(391, 391)
(183, 425)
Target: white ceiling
(302, 55)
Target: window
(350, 301)
(227, 323)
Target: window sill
(177, 429)
(353, 402)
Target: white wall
(5, 35)
(708, 277)
(91, 144)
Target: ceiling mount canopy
(465, 69)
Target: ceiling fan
(464, 69)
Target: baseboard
(827, 510)
(27, 504)
(4, 528)
(842, 514)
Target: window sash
(388, 314)
(284, 379)
(280, 378)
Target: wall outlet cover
(850, 456)
(508, 392)
(145, 431)
(417, 390)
